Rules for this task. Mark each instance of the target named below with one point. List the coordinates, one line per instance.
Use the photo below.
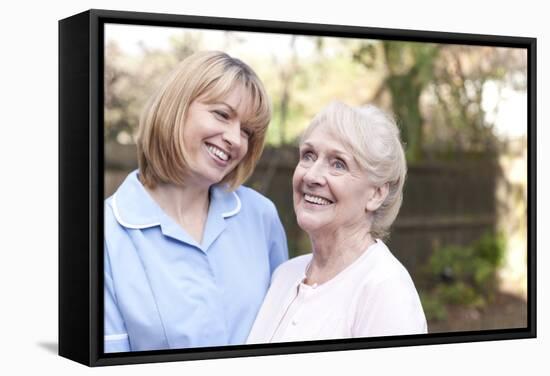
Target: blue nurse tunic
(163, 290)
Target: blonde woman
(347, 192)
(189, 252)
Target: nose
(232, 134)
(315, 174)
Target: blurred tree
(306, 76)
(409, 70)
(130, 80)
(117, 114)
(457, 118)
(438, 92)
(287, 74)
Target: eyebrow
(245, 116)
(339, 153)
(233, 111)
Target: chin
(209, 179)
(308, 223)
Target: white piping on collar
(126, 224)
(236, 210)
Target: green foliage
(409, 71)
(460, 293)
(435, 91)
(464, 275)
(491, 248)
(433, 308)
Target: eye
(246, 132)
(307, 156)
(339, 164)
(220, 114)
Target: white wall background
(28, 198)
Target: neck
(187, 205)
(333, 251)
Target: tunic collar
(134, 208)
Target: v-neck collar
(134, 208)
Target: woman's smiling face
(215, 138)
(330, 189)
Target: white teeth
(316, 200)
(219, 153)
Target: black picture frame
(81, 182)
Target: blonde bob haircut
(208, 76)
(372, 136)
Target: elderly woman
(347, 192)
(188, 252)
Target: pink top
(374, 296)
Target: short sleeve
(116, 336)
(278, 248)
(391, 307)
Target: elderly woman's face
(331, 190)
(215, 138)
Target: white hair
(373, 138)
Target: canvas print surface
(284, 188)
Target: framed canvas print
(235, 187)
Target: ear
(378, 196)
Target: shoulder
(109, 213)
(385, 259)
(253, 202)
(121, 207)
(385, 268)
(108, 202)
(114, 233)
(251, 197)
(386, 302)
(294, 267)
